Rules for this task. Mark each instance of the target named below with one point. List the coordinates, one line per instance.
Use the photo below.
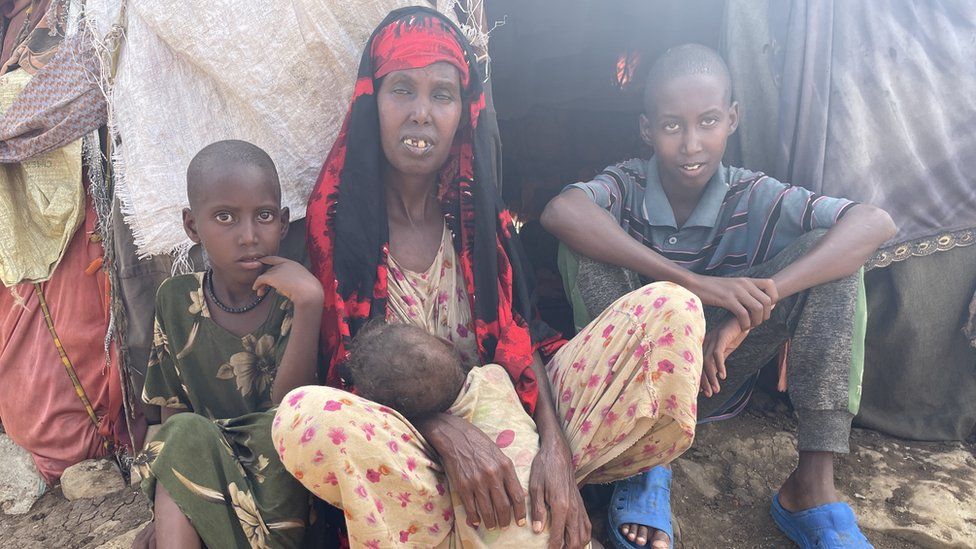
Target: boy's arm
(300, 359)
(576, 220)
(841, 252)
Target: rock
(91, 478)
(20, 483)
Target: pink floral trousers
(625, 388)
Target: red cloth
(39, 408)
(407, 45)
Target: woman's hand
(481, 476)
(552, 486)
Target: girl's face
(419, 111)
(238, 219)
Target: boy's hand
(749, 299)
(289, 279)
(718, 345)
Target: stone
(20, 483)
(91, 478)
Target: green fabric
(568, 266)
(857, 346)
(218, 461)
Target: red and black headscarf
(347, 228)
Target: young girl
(229, 342)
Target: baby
(405, 368)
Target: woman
(406, 189)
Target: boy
(773, 262)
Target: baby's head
(688, 114)
(405, 368)
(235, 208)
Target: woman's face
(419, 112)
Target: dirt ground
(54, 522)
(906, 494)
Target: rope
(79, 390)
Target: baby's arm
(298, 364)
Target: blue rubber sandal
(830, 526)
(642, 499)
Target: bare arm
(552, 485)
(299, 361)
(841, 252)
(574, 219)
(587, 228)
(298, 364)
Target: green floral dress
(219, 463)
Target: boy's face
(688, 125)
(238, 218)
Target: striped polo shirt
(743, 218)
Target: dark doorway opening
(567, 81)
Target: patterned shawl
(348, 232)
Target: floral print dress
(625, 388)
(218, 463)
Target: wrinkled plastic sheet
(191, 72)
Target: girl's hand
(290, 279)
(552, 487)
(481, 476)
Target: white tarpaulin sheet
(191, 72)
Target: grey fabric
(820, 322)
(919, 370)
(138, 281)
(876, 103)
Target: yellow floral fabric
(42, 203)
(435, 300)
(625, 388)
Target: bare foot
(644, 536)
(811, 484)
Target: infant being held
(405, 368)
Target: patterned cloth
(42, 202)
(742, 219)
(36, 45)
(625, 388)
(218, 463)
(61, 103)
(348, 232)
(435, 300)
